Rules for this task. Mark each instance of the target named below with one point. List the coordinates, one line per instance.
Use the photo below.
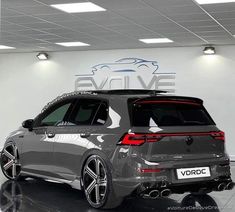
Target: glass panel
(88, 112)
(169, 114)
(56, 116)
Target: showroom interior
(52, 47)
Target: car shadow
(41, 196)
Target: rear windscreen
(169, 113)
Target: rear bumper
(128, 180)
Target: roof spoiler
(171, 98)
(129, 92)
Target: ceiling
(32, 25)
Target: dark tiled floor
(41, 196)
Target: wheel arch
(90, 152)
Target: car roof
(127, 93)
(121, 94)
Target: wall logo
(126, 73)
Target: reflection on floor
(41, 196)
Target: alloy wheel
(11, 197)
(95, 180)
(10, 161)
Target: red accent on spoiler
(167, 101)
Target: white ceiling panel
(40, 10)
(214, 27)
(224, 15)
(32, 25)
(9, 27)
(212, 33)
(30, 32)
(231, 29)
(40, 25)
(219, 7)
(49, 2)
(22, 20)
(75, 25)
(192, 17)
(171, 3)
(174, 8)
(118, 4)
(150, 20)
(19, 3)
(9, 13)
(180, 10)
(128, 28)
(111, 21)
(190, 23)
(58, 17)
(227, 21)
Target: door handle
(50, 135)
(85, 135)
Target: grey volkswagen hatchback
(118, 143)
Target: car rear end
(172, 146)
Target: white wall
(27, 84)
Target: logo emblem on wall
(126, 73)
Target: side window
(89, 112)
(56, 115)
(101, 115)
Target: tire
(97, 183)
(10, 162)
(201, 193)
(199, 200)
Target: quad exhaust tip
(221, 186)
(154, 194)
(165, 192)
(229, 186)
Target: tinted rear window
(169, 113)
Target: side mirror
(28, 124)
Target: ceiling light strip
(6, 47)
(73, 44)
(214, 1)
(81, 7)
(156, 40)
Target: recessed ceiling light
(156, 40)
(70, 44)
(209, 50)
(42, 56)
(213, 1)
(78, 7)
(6, 47)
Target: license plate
(188, 173)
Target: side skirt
(74, 184)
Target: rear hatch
(173, 128)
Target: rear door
(175, 129)
(83, 126)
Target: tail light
(139, 139)
(218, 135)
